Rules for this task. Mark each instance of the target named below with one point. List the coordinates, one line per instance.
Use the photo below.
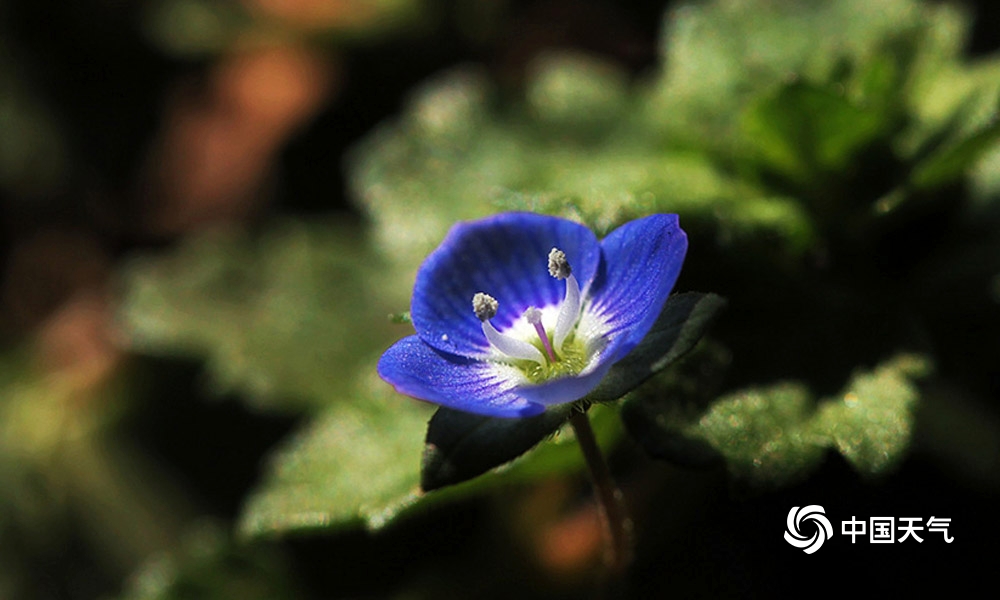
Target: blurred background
(209, 208)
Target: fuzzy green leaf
(777, 434)
(871, 423)
(208, 565)
(348, 468)
(285, 318)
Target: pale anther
(485, 306)
(558, 264)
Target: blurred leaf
(453, 157)
(829, 95)
(986, 177)
(777, 434)
(576, 91)
(958, 158)
(209, 566)
(349, 467)
(720, 55)
(803, 131)
(872, 422)
(286, 318)
(418, 176)
(44, 415)
(760, 433)
(952, 99)
(196, 27)
(60, 461)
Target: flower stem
(617, 524)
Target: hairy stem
(617, 524)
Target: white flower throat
(557, 355)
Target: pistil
(534, 316)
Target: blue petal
(416, 369)
(641, 262)
(505, 256)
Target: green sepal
(462, 445)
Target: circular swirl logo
(793, 534)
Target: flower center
(542, 356)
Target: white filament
(510, 346)
(569, 312)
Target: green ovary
(569, 361)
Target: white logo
(794, 536)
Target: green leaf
(433, 166)
(951, 100)
(871, 423)
(191, 28)
(986, 177)
(759, 433)
(720, 55)
(285, 318)
(956, 159)
(683, 321)
(804, 130)
(208, 565)
(452, 156)
(574, 90)
(348, 468)
(777, 434)
(461, 445)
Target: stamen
(534, 316)
(485, 307)
(569, 312)
(558, 265)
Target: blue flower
(499, 334)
